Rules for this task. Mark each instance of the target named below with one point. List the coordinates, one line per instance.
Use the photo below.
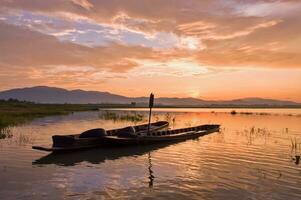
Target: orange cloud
(212, 35)
(22, 47)
(200, 24)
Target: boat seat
(127, 132)
(62, 140)
(97, 132)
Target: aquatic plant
(24, 139)
(233, 112)
(263, 113)
(188, 124)
(296, 159)
(246, 113)
(168, 117)
(133, 117)
(5, 133)
(253, 133)
(156, 117)
(173, 120)
(295, 144)
(295, 149)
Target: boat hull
(155, 137)
(116, 141)
(75, 142)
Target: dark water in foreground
(253, 157)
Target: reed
(5, 133)
(133, 117)
(168, 117)
(23, 139)
(254, 133)
(156, 117)
(295, 144)
(295, 149)
(171, 118)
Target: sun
(195, 94)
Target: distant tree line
(12, 100)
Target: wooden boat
(99, 155)
(163, 136)
(94, 137)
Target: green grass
(15, 112)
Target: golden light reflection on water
(250, 151)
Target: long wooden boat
(95, 137)
(163, 136)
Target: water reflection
(254, 157)
(99, 155)
(151, 176)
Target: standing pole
(150, 105)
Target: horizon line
(199, 98)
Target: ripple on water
(234, 164)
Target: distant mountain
(44, 94)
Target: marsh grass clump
(156, 117)
(188, 124)
(171, 118)
(108, 116)
(296, 150)
(168, 117)
(295, 144)
(133, 117)
(24, 139)
(233, 112)
(254, 133)
(5, 133)
(246, 113)
(263, 113)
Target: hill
(52, 95)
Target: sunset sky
(209, 49)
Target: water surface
(253, 157)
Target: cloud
(22, 47)
(125, 46)
(83, 3)
(113, 34)
(270, 8)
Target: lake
(254, 156)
